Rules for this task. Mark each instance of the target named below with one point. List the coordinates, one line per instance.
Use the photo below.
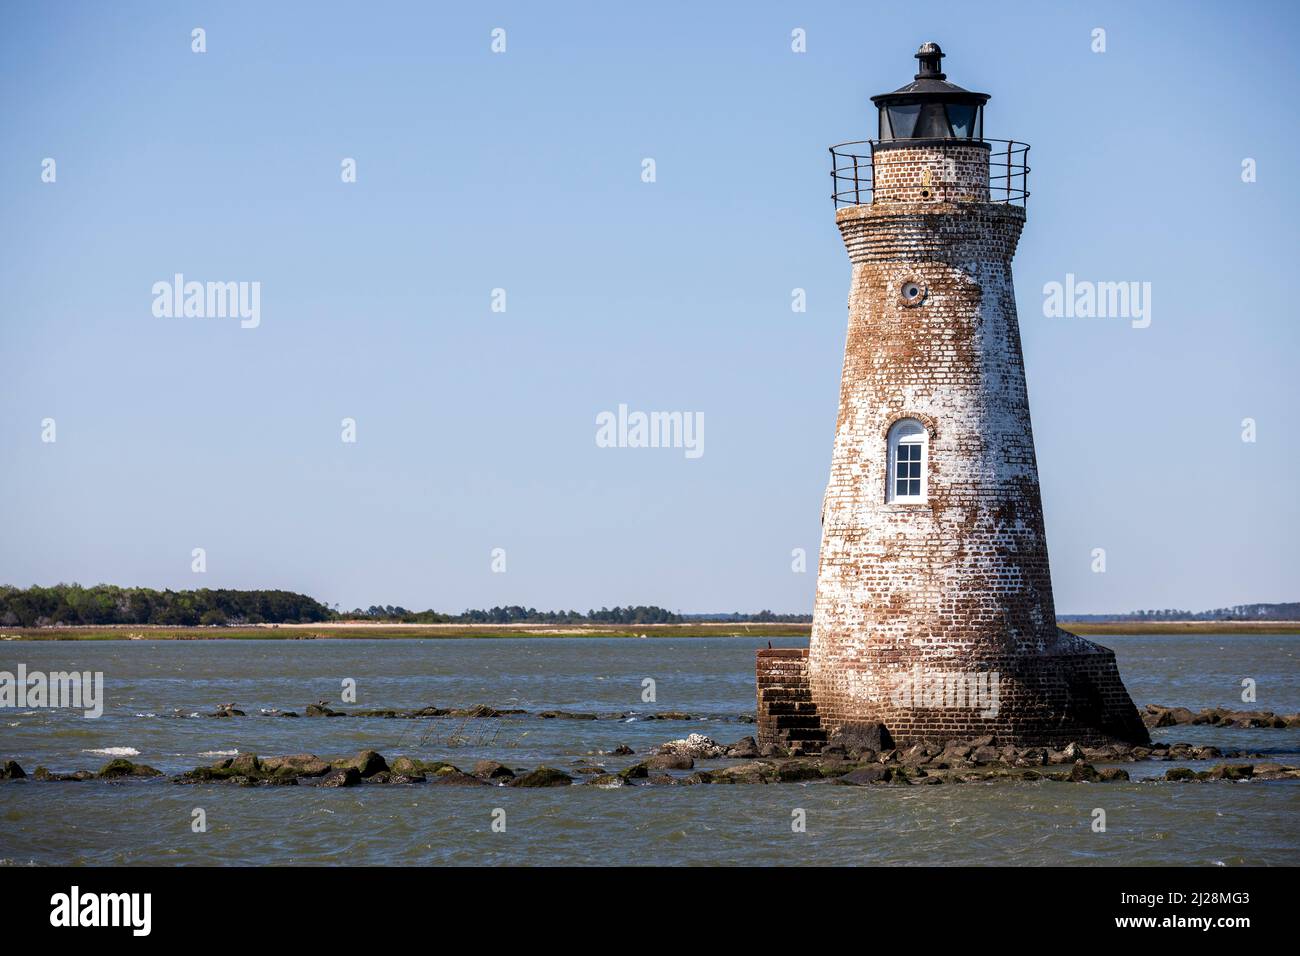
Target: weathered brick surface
(959, 584)
(949, 173)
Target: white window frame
(913, 434)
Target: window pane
(907, 439)
(932, 123)
(903, 120)
(962, 119)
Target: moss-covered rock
(669, 761)
(746, 748)
(1083, 773)
(478, 711)
(793, 773)
(406, 767)
(203, 775)
(867, 776)
(1230, 771)
(340, 777)
(45, 774)
(451, 777)
(118, 768)
(367, 763)
(756, 771)
(492, 770)
(246, 765)
(294, 765)
(543, 777)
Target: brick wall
(931, 173)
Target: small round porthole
(912, 293)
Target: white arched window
(909, 459)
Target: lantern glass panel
(962, 120)
(902, 120)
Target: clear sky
(522, 171)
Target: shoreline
(357, 630)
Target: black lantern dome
(930, 108)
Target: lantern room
(930, 108)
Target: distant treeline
(71, 604)
(515, 615)
(1241, 612)
(641, 614)
(759, 618)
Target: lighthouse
(934, 617)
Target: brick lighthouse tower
(934, 613)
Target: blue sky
(522, 171)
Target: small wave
(114, 751)
(218, 753)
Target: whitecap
(218, 753)
(114, 751)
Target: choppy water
(152, 687)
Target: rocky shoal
(673, 763)
(477, 712)
(1153, 715)
(1157, 715)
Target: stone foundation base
(1072, 693)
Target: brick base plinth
(1071, 692)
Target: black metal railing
(854, 180)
